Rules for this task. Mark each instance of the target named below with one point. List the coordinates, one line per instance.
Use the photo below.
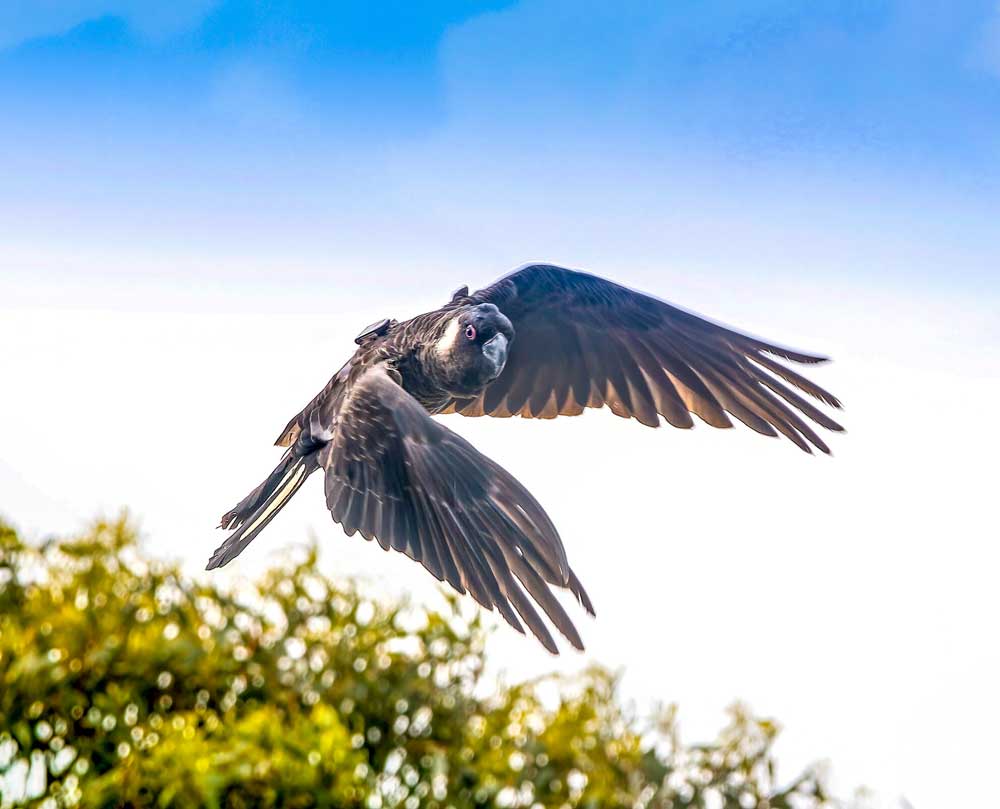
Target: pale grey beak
(495, 350)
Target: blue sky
(199, 193)
(313, 131)
(902, 80)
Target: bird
(542, 341)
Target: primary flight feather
(541, 342)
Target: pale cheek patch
(446, 343)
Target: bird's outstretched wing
(581, 341)
(397, 476)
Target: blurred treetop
(124, 683)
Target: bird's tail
(252, 514)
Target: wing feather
(397, 476)
(585, 342)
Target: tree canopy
(124, 682)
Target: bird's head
(473, 347)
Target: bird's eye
(470, 332)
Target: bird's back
(397, 343)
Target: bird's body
(541, 342)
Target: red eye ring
(470, 332)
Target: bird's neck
(419, 374)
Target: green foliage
(123, 683)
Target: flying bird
(541, 342)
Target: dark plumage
(543, 341)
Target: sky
(202, 204)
